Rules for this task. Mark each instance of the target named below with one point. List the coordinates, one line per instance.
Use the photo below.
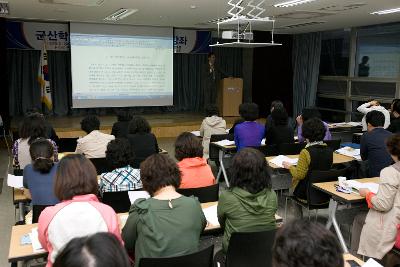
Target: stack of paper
(373, 187)
(15, 181)
(37, 247)
(278, 160)
(349, 151)
(211, 215)
(133, 195)
(225, 143)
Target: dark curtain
(60, 81)
(23, 86)
(306, 60)
(24, 91)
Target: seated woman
(194, 169)
(379, 225)
(120, 156)
(98, 250)
(279, 132)
(143, 142)
(80, 213)
(212, 124)
(309, 113)
(250, 204)
(315, 156)
(394, 126)
(277, 104)
(94, 143)
(40, 175)
(167, 224)
(120, 128)
(32, 127)
(305, 243)
(249, 132)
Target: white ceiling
(178, 13)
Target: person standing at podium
(212, 72)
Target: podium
(230, 95)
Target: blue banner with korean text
(31, 35)
(192, 41)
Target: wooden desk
(222, 150)
(329, 188)
(336, 198)
(348, 256)
(18, 252)
(337, 159)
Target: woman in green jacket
(250, 204)
(167, 224)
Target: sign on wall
(192, 41)
(32, 35)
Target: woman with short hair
(143, 142)
(32, 127)
(98, 250)
(194, 169)
(167, 224)
(80, 213)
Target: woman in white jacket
(212, 124)
(379, 226)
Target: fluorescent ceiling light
(120, 14)
(386, 11)
(74, 2)
(4, 8)
(293, 3)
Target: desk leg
(332, 220)
(21, 208)
(221, 155)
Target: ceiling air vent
(305, 24)
(74, 2)
(304, 15)
(4, 8)
(341, 8)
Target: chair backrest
(268, 151)
(291, 149)
(315, 196)
(119, 201)
(67, 144)
(202, 258)
(250, 249)
(333, 144)
(101, 165)
(36, 210)
(204, 194)
(213, 151)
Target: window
(332, 87)
(378, 51)
(373, 89)
(335, 49)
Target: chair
(250, 249)
(213, 151)
(67, 144)
(268, 150)
(119, 201)
(36, 210)
(202, 258)
(316, 199)
(204, 194)
(333, 144)
(101, 165)
(290, 149)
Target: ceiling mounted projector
(74, 2)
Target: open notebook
(278, 160)
(373, 187)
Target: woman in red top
(194, 168)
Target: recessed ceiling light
(4, 8)
(293, 3)
(386, 11)
(120, 14)
(193, 6)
